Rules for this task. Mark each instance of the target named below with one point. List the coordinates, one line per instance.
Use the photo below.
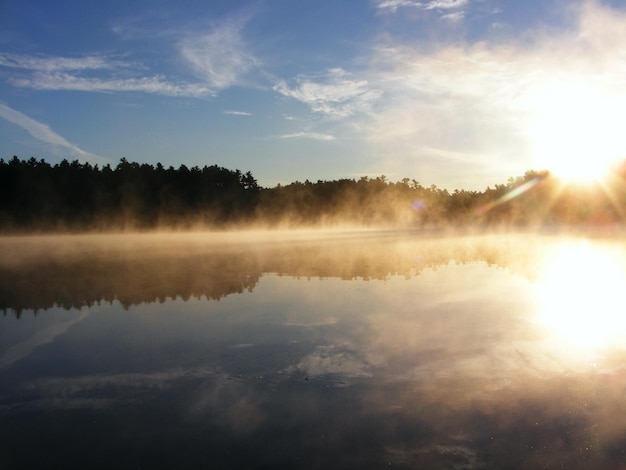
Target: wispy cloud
(333, 95)
(157, 84)
(455, 17)
(52, 64)
(218, 54)
(477, 104)
(220, 57)
(237, 113)
(445, 4)
(308, 135)
(66, 73)
(43, 133)
(394, 5)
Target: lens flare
(521, 189)
(418, 205)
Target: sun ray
(611, 187)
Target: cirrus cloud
(308, 135)
(43, 133)
(394, 5)
(77, 74)
(237, 113)
(221, 56)
(473, 107)
(51, 64)
(333, 94)
(156, 84)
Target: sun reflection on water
(581, 295)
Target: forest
(36, 196)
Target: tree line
(81, 196)
(74, 196)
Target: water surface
(313, 351)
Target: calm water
(329, 351)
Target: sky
(462, 94)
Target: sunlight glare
(576, 130)
(580, 296)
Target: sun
(575, 130)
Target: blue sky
(458, 93)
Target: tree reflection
(38, 273)
(76, 272)
(445, 372)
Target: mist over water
(313, 349)
(77, 197)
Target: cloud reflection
(43, 336)
(425, 353)
(90, 391)
(337, 361)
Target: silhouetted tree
(79, 196)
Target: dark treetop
(74, 196)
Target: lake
(313, 350)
